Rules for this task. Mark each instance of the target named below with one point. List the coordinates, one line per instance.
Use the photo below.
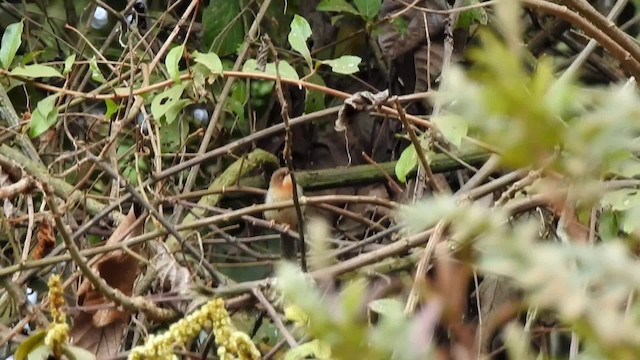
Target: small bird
(281, 189)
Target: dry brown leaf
(360, 101)
(104, 342)
(101, 331)
(45, 241)
(172, 276)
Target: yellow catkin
(232, 344)
(58, 333)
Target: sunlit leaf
(68, 63)
(172, 61)
(286, 71)
(210, 60)
(36, 71)
(630, 223)
(45, 116)
(346, 64)
(300, 32)
(77, 353)
(96, 74)
(11, 40)
(112, 108)
(628, 168)
(313, 349)
(41, 351)
(162, 102)
(387, 306)
(407, 162)
(622, 199)
(295, 314)
(452, 127)
(30, 344)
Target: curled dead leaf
(360, 101)
(100, 331)
(45, 241)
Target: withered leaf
(101, 331)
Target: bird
(281, 189)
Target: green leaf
(608, 226)
(295, 314)
(172, 61)
(45, 116)
(351, 298)
(36, 71)
(407, 162)
(621, 200)
(300, 32)
(236, 105)
(286, 71)
(251, 66)
(130, 174)
(629, 223)
(468, 17)
(628, 168)
(162, 102)
(68, 63)
(11, 40)
(387, 306)
(336, 6)
(346, 64)
(41, 351)
(96, 74)
(314, 349)
(223, 32)
(210, 60)
(173, 135)
(369, 9)
(27, 346)
(77, 353)
(452, 127)
(112, 108)
(175, 109)
(400, 25)
(314, 100)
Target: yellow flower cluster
(233, 344)
(58, 333)
(56, 299)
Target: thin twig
(418, 147)
(287, 154)
(273, 314)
